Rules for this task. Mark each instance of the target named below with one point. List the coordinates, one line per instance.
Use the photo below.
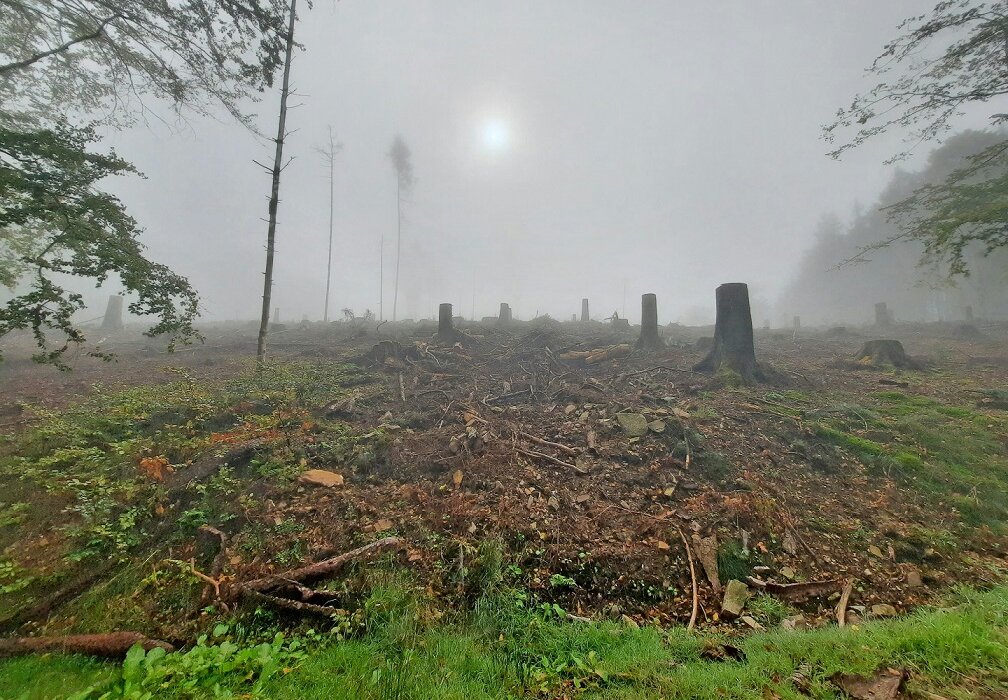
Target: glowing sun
(496, 135)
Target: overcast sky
(561, 150)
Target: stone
(883, 610)
(789, 544)
(736, 594)
(875, 551)
(657, 426)
(794, 623)
(630, 622)
(788, 573)
(633, 424)
(320, 477)
(913, 578)
(750, 622)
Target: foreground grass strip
(506, 651)
(526, 656)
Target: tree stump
(733, 334)
(446, 332)
(505, 313)
(113, 320)
(883, 317)
(884, 352)
(584, 311)
(649, 339)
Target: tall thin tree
(329, 158)
(402, 161)
(275, 191)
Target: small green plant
(561, 581)
(221, 669)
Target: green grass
(505, 649)
(947, 453)
(51, 677)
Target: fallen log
(110, 645)
(796, 592)
(321, 568)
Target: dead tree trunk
(733, 334)
(883, 318)
(446, 332)
(505, 313)
(584, 311)
(649, 339)
(113, 321)
(275, 191)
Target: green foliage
(55, 222)
(221, 669)
(923, 90)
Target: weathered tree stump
(505, 313)
(446, 332)
(113, 320)
(884, 352)
(584, 311)
(883, 316)
(733, 334)
(649, 339)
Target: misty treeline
(845, 272)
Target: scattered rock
(630, 622)
(883, 610)
(795, 622)
(657, 426)
(751, 622)
(382, 525)
(633, 424)
(875, 551)
(884, 684)
(913, 578)
(788, 573)
(736, 594)
(789, 544)
(320, 477)
(457, 478)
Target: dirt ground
(499, 436)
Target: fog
(562, 150)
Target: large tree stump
(884, 352)
(113, 320)
(505, 313)
(584, 311)
(733, 334)
(446, 332)
(649, 339)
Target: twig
(546, 443)
(551, 458)
(693, 580)
(841, 608)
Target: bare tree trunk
(381, 276)
(328, 275)
(649, 339)
(883, 317)
(733, 334)
(584, 310)
(395, 292)
(275, 192)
